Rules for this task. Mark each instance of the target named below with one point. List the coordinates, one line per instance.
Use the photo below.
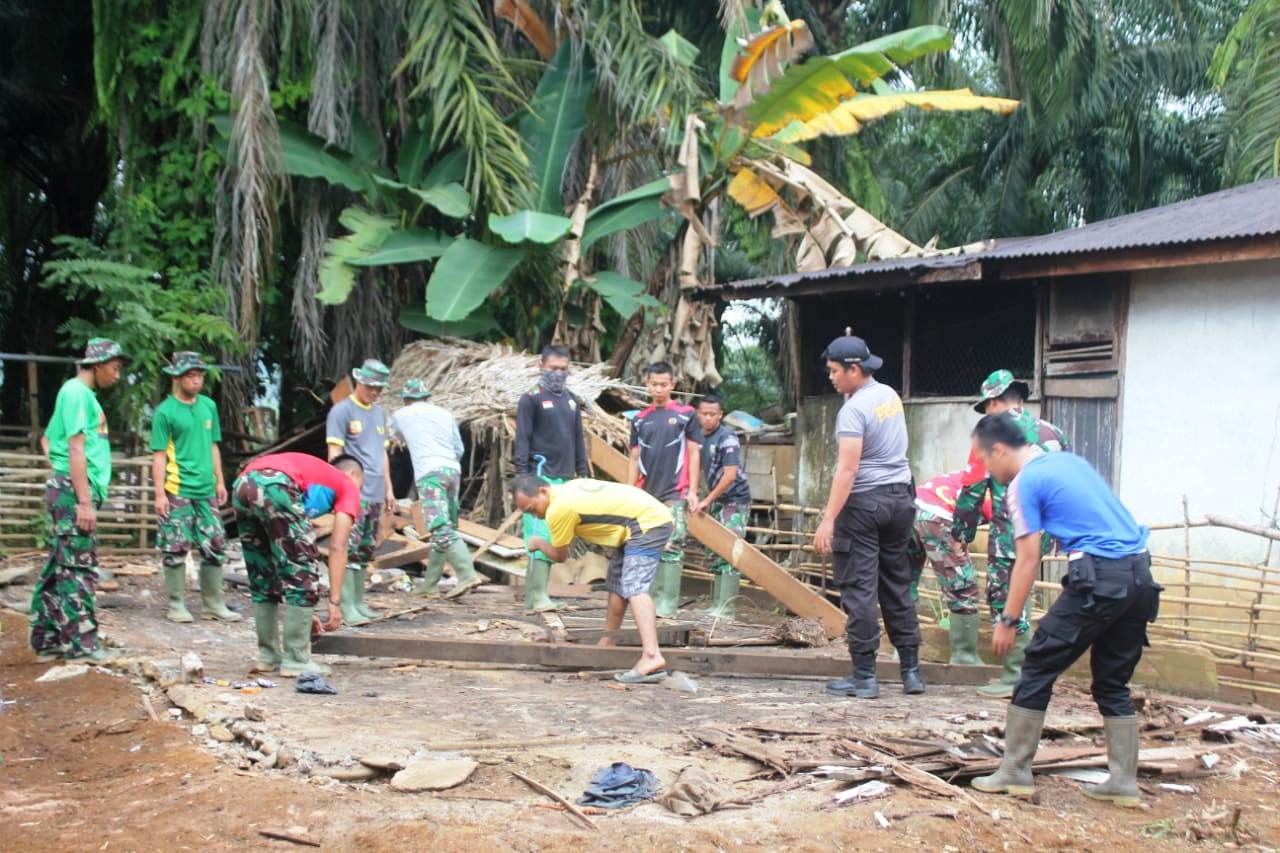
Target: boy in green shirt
(64, 620)
(186, 470)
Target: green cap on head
(184, 362)
(415, 389)
(373, 373)
(102, 350)
(996, 384)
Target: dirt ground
(84, 766)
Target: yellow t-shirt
(602, 513)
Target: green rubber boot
(724, 602)
(175, 583)
(429, 585)
(1003, 686)
(358, 584)
(964, 639)
(1021, 739)
(535, 587)
(350, 614)
(297, 644)
(212, 604)
(459, 556)
(265, 618)
(1121, 787)
(668, 600)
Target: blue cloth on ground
(620, 785)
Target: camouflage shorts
(734, 517)
(193, 524)
(63, 613)
(955, 574)
(674, 552)
(280, 552)
(364, 535)
(438, 493)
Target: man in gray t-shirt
(868, 520)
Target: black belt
(891, 488)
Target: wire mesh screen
(963, 333)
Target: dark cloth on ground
(620, 785)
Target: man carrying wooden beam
(64, 620)
(868, 520)
(357, 426)
(435, 446)
(1108, 598)
(186, 473)
(550, 443)
(718, 463)
(634, 524)
(663, 442)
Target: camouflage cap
(102, 350)
(373, 373)
(996, 384)
(415, 389)
(184, 362)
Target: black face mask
(554, 380)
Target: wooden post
(1186, 569)
(33, 404)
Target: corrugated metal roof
(1252, 210)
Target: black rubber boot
(909, 665)
(862, 683)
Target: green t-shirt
(185, 432)
(78, 411)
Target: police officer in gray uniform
(868, 520)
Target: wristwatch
(335, 603)
(1008, 621)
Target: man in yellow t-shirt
(629, 520)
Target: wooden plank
(483, 533)
(742, 555)
(1107, 387)
(575, 657)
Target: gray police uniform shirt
(431, 434)
(361, 431)
(874, 414)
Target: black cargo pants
(1111, 619)
(871, 564)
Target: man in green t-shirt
(64, 620)
(186, 471)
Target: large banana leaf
(479, 322)
(407, 246)
(309, 156)
(623, 295)
(820, 83)
(729, 53)
(450, 199)
(530, 225)
(368, 231)
(848, 116)
(415, 149)
(556, 118)
(451, 168)
(636, 207)
(464, 277)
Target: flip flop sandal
(633, 677)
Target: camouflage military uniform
(932, 543)
(364, 534)
(1000, 548)
(438, 492)
(192, 524)
(279, 551)
(63, 616)
(674, 550)
(734, 517)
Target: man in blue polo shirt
(1108, 597)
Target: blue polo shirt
(1062, 495)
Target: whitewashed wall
(1200, 405)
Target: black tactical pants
(870, 562)
(1111, 619)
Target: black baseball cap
(849, 349)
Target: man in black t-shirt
(719, 465)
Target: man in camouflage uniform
(717, 462)
(435, 446)
(1001, 393)
(186, 470)
(274, 496)
(357, 426)
(63, 620)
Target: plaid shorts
(633, 566)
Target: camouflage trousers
(438, 494)
(932, 543)
(63, 613)
(193, 524)
(279, 551)
(674, 552)
(364, 535)
(1000, 559)
(734, 517)
(532, 526)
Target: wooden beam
(574, 657)
(1145, 258)
(741, 554)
